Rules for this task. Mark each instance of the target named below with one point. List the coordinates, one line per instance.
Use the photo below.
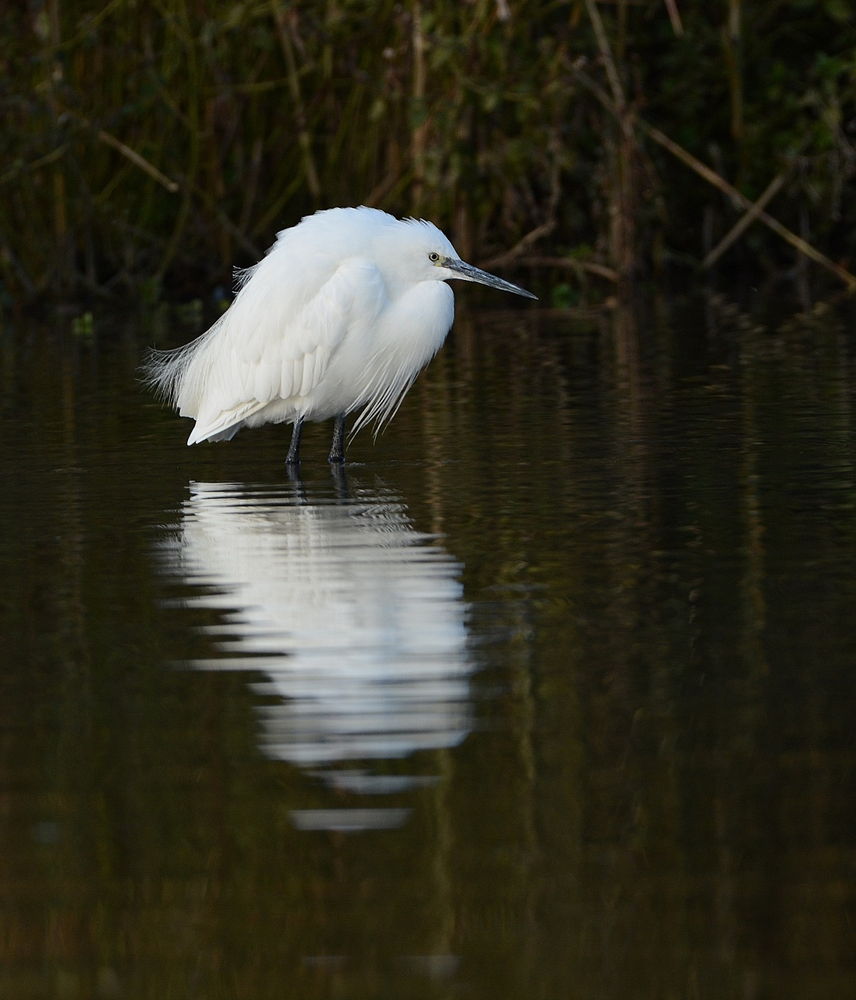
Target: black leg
(293, 456)
(337, 449)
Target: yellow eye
(434, 257)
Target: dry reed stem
(420, 133)
(731, 36)
(623, 206)
(606, 54)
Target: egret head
(427, 255)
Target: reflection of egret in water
(354, 619)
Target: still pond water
(552, 694)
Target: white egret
(342, 314)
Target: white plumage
(342, 314)
(349, 621)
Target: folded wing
(274, 344)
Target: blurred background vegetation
(148, 146)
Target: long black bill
(470, 273)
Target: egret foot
(293, 456)
(337, 449)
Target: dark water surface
(552, 694)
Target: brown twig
(510, 256)
(570, 264)
(713, 178)
(136, 159)
(235, 231)
(43, 161)
(606, 55)
(745, 221)
(675, 17)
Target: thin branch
(570, 264)
(606, 53)
(745, 221)
(675, 17)
(510, 256)
(237, 233)
(136, 159)
(43, 161)
(394, 181)
(713, 178)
